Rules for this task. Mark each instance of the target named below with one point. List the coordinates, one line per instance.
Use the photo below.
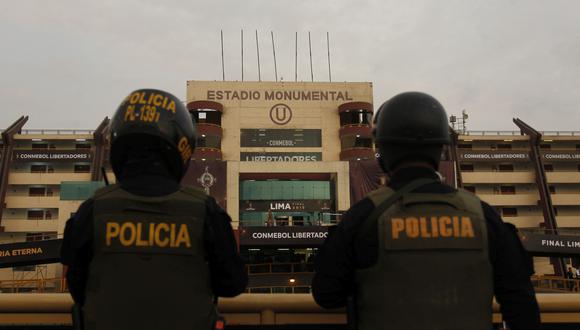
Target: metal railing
(499, 133)
(278, 290)
(57, 131)
(543, 231)
(490, 133)
(294, 223)
(280, 268)
(547, 283)
(50, 285)
(72, 148)
(49, 171)
(58, 285)
(253, 309)
(54, 194)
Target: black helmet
(411, 126)
(156, 120)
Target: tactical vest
(433, 270)
(148, 269)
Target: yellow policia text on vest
(160, 234)
(432, 227)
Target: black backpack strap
(387, 203)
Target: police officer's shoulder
(471, 199)
(103, 191)
(79, 226)
(83, 212)
(491, 214)
(379, 195)
(506, 236)
(212, 205)
(504, 228)
(496, 227)
(194, 192)
(465, 191)
(352, 220)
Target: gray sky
(68, 64)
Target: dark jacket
(341, 255)
(228, 276)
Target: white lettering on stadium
(495, 156)
(280, 143)
(562, 156)
(279, 95)
(560, 243)
(281, 159)
(302, 235)
(52, 156)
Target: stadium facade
(285, 159)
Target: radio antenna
(242, 37)
(328, 50)
(274, 51)
(310, 49)
(223, 65)
(258, 53)
(296, 58)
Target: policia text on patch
(142, 234)
(410, 232)
(432, 227)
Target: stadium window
(38, 168)
(36, 191)
(352, 141)
(302, 289)
(82, 168)
(33, 237)
(27, 268)
(464, 146)
(466, 167)
(207, 116)
(552, 189)
(506, 167)
(548, 167)
(82, 146)
(509, 212)
(35, 215)
(40, 146)
(545, 146)
(504, 146)
(209, 141)
(578, 147)
(508, 190)
(355, 118)
(469, 188)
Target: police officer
(419, 254)
(147, 252)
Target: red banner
(210, 176)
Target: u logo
(280, 114)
